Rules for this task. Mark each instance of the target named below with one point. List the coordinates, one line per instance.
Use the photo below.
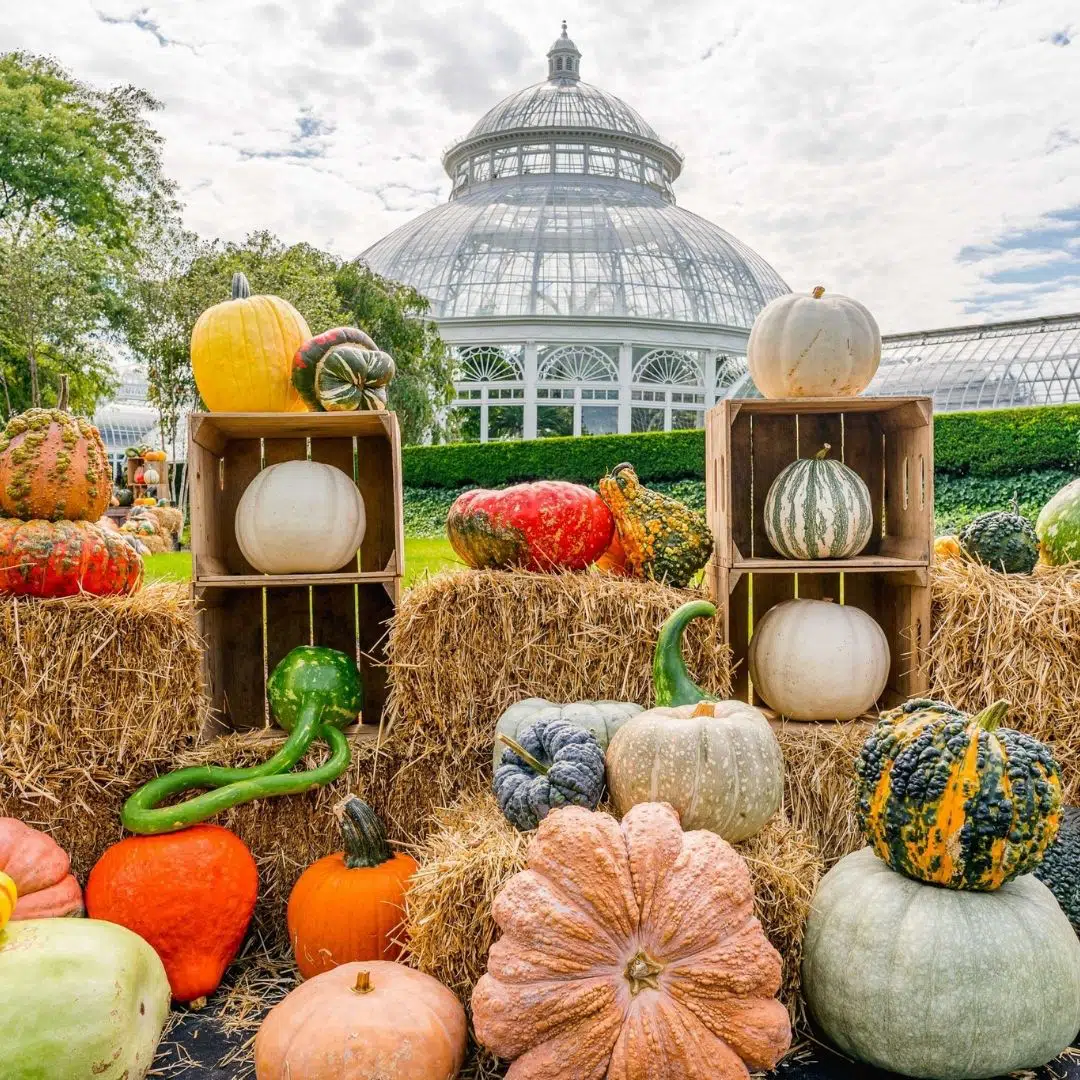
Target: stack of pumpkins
(936, 952)
(55, 483)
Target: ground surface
(423, 555)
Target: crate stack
(249, 620)
(889, 442)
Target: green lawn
(423, 555)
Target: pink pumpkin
(41, 871)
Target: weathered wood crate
(249, 620)
(889, 443)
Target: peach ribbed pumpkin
(364, 1021)
(630, 952)
(41, 871)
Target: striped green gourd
(818, 508)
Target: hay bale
(96, 695)
(464, 647)
(1012, 636)
(472, 851)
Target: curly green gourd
(314, 693)
(671, 680)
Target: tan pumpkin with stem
(717, 763)
(41, 871)
(630, 952)
(364, 1021)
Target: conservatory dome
(562, 232)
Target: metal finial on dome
(564, 60)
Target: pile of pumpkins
(257, 354)
(55, 485)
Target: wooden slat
(817, 429)
(908, 411)
(908, 517)
(819, 587)
(376, 479)
(232, 625)
(333, 618)
(302, 425)
(768, 590)
(207, 547)
(775, 447)
(826, 566)
(737, 620)
(375, 608)
(864, 451)
(243, 459)
(289, 581)
(740, 485)
(288, 623)
(396, 563)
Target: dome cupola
(564, 60)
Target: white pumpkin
(717, 763)
(813, 346)
(300, 517)
(151, 476)
(815, 660)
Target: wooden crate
(889, 442)
(249, 620)
(898, 600)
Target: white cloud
(860, 145)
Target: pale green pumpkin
(80, 999)
(944, 983)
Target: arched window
(558, 64)
(669, 367)
(490, 363)
(729, 370)
(578, 363)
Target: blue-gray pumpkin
(550, 764)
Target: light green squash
(1058, 527)
(945, 983)
(80, 999)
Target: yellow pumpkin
(8, 896)
(242, 352)
(947, 547)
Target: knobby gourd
(550, 764)
(314, 693)
(190, 894)
(342, 370)
(1003, 539)
(957, 800)
(630, 950)
(661, 538)
(348, 906)
(1059, 870)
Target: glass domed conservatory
(577, 296)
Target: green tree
(84, 157)
(51, 317)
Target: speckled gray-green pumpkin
(1060, 869)
(1003, 540)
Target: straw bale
(464, 647)
(472, 851)
(1012, 636)
(96, 695)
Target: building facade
(577, 296)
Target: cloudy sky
(923, 157)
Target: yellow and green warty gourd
(957, 800)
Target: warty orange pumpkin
(190, 894)
(349, 905)
(630, 951)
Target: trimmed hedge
(659, 455)
(998, 442)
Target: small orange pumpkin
(349, 905)
(41, 872)
(613, 561)
(362, 1022)
(947, 547)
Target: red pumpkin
(547, 526)
(190, 894)
(62, 558)
(53, 466)
(349, 906)
(41, 871)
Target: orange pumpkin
(613, 561)
(190, 894)
(348, 906)
(362, 1022)
(41, 871)
(630, 950)
(53, 466)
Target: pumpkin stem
(671, 681)
(363, 834)
(992, 716)
(241, 290)
(704, 708)
(819, 292)
(823, 453)
(363, 982)
(534, 763)
(641, 972)
(62, 400)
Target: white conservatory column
(484, 419)
(626, 358)
(528, 430)
(710, 378)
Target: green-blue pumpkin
(1058, 527)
